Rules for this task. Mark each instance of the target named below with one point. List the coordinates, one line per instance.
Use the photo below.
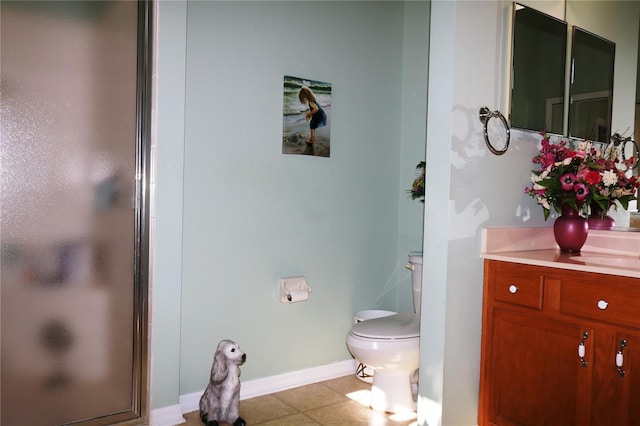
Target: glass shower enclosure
(73, 211)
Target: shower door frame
(140, 376)
(139, 412)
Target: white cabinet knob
(602, 304)
(513, 289)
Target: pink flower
(581, 190)
(568, 181)
(577, 154)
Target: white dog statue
(219, 402)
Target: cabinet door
(536, 374)
(616, 386)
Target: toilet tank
(415, 264)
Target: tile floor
(343, 401)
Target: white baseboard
(167, 416)
(285, 381)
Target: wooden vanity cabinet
(550, 339)
(617, 401)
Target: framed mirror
(538, 71)
(591, 88)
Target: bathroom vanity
(560, 332)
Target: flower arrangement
(614, 188)
(580, 177)
(417, 188)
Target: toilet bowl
(363, 371)
(391, 347)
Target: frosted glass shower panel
(68, 111)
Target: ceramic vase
(570, 230)
(599, 219)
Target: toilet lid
(405, 325)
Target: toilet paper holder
(294, 289)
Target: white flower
(609, 178)
(537, 187)
(585, 146)
(544, 202)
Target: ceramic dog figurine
(219, 402)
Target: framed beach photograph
(306, 117)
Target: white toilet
(391, 347)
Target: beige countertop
(605, 252)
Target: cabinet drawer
(605, 301)
(520, 286)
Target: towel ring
(485, 115)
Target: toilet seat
(405, 325)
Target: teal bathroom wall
(474, 189)
(234, 214)
(166, 196)
(468, 68)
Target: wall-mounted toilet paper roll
(294, 289)
(297, 296)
